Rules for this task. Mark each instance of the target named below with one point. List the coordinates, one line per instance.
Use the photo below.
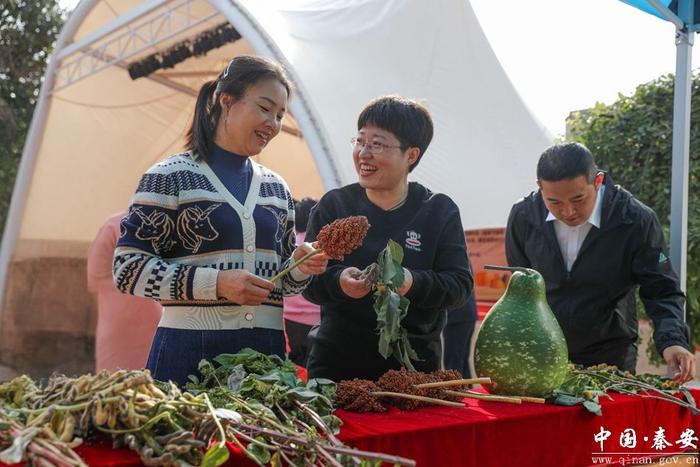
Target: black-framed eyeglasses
(373, 147)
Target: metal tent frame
(129, 35)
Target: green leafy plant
(391, 307)
(587, 385)
(273, 416)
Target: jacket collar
(614, 210)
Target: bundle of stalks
(408, 390)
(164, 425)
(128, 405)
(403, 389)
(337, 239)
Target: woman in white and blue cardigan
(208, 227)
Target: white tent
(95, 130)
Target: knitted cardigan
(184, 226)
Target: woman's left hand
(315, 265)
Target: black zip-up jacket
(594, 302)
(429, 229)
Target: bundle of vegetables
(280, 417)
(277, 417)
(36, 445)
(586, 385)
(337, 239)
(43, 425)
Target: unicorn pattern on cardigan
(156, 227)
(194, 226)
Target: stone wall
(48, 318)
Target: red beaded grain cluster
(342, 236)
(356, 394)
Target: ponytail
(200, 136)
(241, 72)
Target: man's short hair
(566, 161)
(406, 119)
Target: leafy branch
(281, 419)
(586, 386)
(391, 307)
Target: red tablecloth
(498, 434)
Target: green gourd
(520, 345)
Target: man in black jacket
(593, 243)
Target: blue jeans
(175, 353)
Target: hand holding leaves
(392, 307)
(353, 284)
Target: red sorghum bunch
(356, 395)
(403, 381)
(342, 236)
(446, 375)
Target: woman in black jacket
(393, 134)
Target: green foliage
(586, 385)
(391, 308)
(631, 138)
(263, 391)
(215, 455)
(264, 381)
(28, 30)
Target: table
(498, 434)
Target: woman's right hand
(353, 288)
(242, 287)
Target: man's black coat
(594, 302)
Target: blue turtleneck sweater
(234, 171)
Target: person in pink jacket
(300, 315)
(125, 323)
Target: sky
(566, 55)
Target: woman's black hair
(407, 119)
(241, 72)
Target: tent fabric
(486, 140)
(645, 6)
(333, 19)
(672, 5)
(97, 135)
